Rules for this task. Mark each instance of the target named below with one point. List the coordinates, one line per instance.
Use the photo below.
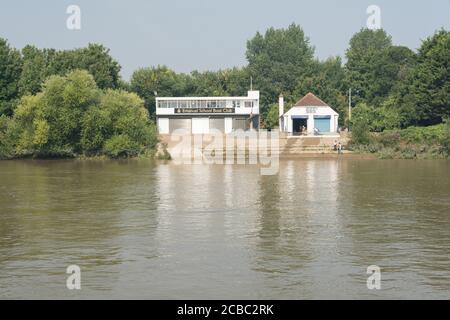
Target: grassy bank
(431, 142)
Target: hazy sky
(208, 34)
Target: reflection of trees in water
(397, 218)
(283, 246)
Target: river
(152, 230)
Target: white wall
(163, 125)
(335, 123)
(200, 125)
(310, 123)
(287, 124)
(228, 125)
(318, 111)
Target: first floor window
(172, 104)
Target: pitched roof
(310, 100)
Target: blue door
(322, 124)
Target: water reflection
(398, 219)
(141, 229)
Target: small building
(309, 116)
(199, 115)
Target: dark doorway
(299, 126)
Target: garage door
(217, 124)
(240, 123)
(322, 124)
(180, 123)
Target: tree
(129, 131)
(95, 59)
(129, 117)
(377, 119)
(445, 140)
(232, 82)
(96, 129)
(236, 81)
(277, 60)
(374, 66)
(272, 120)
(400, 63)
(326, 81)
(39, 64)
(35, 69)
(50, 121)
(360, 126)
(428, 92)
(71, 116)
(208, 83)
(10, 69)
(7, 137)
(364, 57)
(160, 80)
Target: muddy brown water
(143, 229)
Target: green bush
(272, 120)
(387, 153)
(445, 139)
(409, 153)
(427, 135)
(71, 116)
(389, 138)
(414, 142)
(96, 128)
(360, 134)
(162, 153)
(6, 143)
(377, 119)
(121, 146)
(374, 147)
(129, 117)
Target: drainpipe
(349, 108)
(280, 112)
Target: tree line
(393, 87)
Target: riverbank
(431, 142)
(412, 143)
(401, 152)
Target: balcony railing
(205, 103)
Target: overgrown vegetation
(71, 116)
(44, 111)
(411, 143)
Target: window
(217, 123)
(311, 109)
(248, 104)
(172, 104)
(193, 104)
(236, 104)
